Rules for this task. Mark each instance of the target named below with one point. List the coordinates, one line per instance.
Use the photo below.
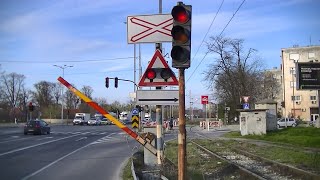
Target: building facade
(303, 104)
(276, 87)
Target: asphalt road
(69, 152)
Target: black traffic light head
(181, 36)
(116, 82)
(107, 82)
(159, 74)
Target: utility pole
(182, 148)
(159, 111)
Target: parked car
(94, 121)
(287, 122)
(37, 126)
(105, 121)
(313, 123)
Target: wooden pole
(182, 150)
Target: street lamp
(62, 67)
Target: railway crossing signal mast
(181, 36)
(181, 57)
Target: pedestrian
(171, 123)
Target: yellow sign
(135, 121)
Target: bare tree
(11, 86)
(235, 72)
(56, 92)
(43, 93)
(270, 87)
(87, 90)
(72, 100)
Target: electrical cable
(219, 35)
(208, 29)
(68, 61)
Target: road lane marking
(104, 139)
(54, 162)
(44, 138)
(15, 140)
(28, 147)
(81, 138)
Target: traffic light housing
(159, 73)
(107, 82)
(31, 107)
(116, 82)
(181, 36)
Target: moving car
(37, 126)
(94, 121)
(105, 121)
(287, 122)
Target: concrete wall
(58, 121)
(271, 121)
(253, 122)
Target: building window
(294, 56)
(311, 55)
(296, 98)
(292, 70)
(313, 98)
(292, 84)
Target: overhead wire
(67, 61)
(219, 35)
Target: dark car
(37, 126)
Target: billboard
(308, 75)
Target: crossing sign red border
(158, 61)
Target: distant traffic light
(116, 82)
(31, 107)
(160, 74)
(181, 36)
(107, 82)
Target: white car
(287, 122)
(94, 121)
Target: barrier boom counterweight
(94, 105)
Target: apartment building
(301, 104)
(277, 92)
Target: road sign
(149, 28)
(160, 67)
(244, 99)
(157, 97)
(308, 74)
(246, 106)
(135, 111)
(135, 121)
(204, 99)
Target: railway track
(253, 166)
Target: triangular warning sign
(159, 64)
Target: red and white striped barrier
(211, 124)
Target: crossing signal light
(181, 36)
(116, 82)
(107, 82)
(159, 73)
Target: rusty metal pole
(182, 148)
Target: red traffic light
(151, 74)
(180, 14)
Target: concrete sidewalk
(12, 125)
